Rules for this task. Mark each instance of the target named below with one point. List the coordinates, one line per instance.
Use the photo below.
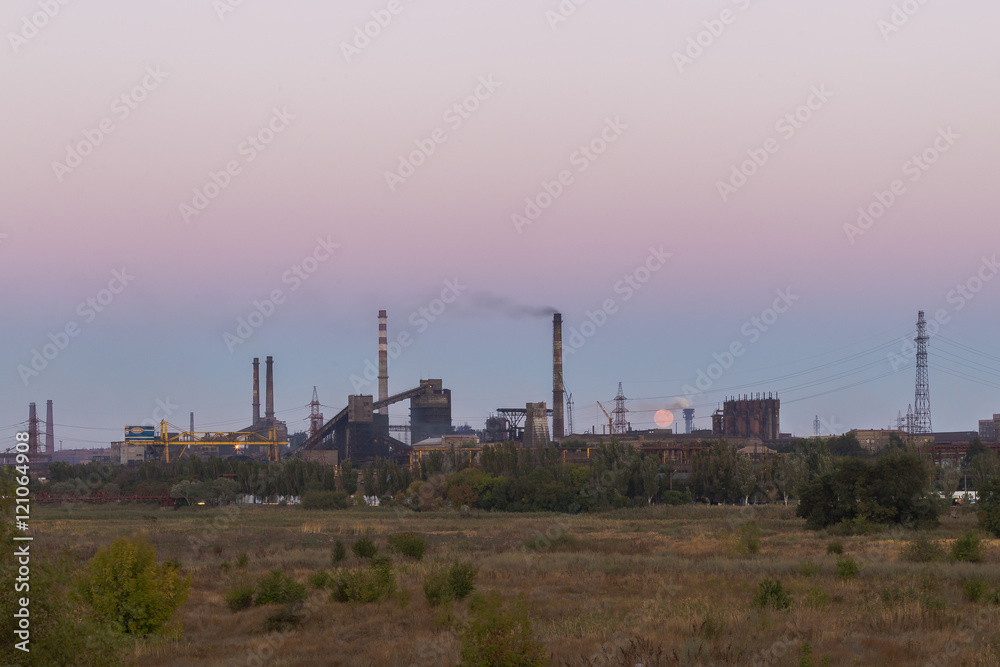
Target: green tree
(349, 477)
(988, 506)
(125, 586)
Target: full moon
(663, 418)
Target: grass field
(656, 586)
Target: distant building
(873, 440)
(756, 416)
(988, 429)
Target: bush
(324, 500)
(835, 547)
(339, 553)
(242, 560)
(847, 568)
(282, 620)
(125, 586)
(375, 583)
(922, 549)
(319, 580)
(771, 594)
(498, 636)
(988, 506)
(966, 547)
(408, 544)
(454, 583)
(278, 588)
(975, 589)
(240, 597)
(364, 548)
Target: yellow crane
(611, 422)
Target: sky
(721, 198)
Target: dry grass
(659, 585)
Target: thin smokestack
(269, 406)
(191, 430)
(383, 361)
(558, 428)
(32, 433)
(50, 438)
(256, 390)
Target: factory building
(988, 429)
(754, 416)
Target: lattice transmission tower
(619, 422)
(315, 416)
(922, 394)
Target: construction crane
(611, 421)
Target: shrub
(364, 548)
(771, 594)
(437, 589)
(835, 547)
(278, 588)
(125, 586)
(324, 500)
(988, 506)
(498, 636)
(376, 582)
(454, 583)
(975, 589)
(408, 544)
(748, 540)
(319, 580)
(922, 549)
(242, 560)
(339, 553)
(818, 599)
(462, 578)
(847, 568)
(282, 620)
(966, 547)
(240, 597)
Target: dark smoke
(495, 304)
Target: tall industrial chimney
(269, 405)
(256, 390)
(191, 430)
(558, 428)
(32, 433)
(50, 438)
(383, 361)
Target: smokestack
(50, 439)
(191, 430)
(269, 405)
(256, 390)
(558, 428)
(383, 361)
(32, 433)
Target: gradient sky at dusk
(656, 186)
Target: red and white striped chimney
(383, 361)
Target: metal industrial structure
(536, 426)
(383, 361)
(315, 416)
(688, 420)
(621, 425)
(922, 392)
(558, 389)
(753, 416)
